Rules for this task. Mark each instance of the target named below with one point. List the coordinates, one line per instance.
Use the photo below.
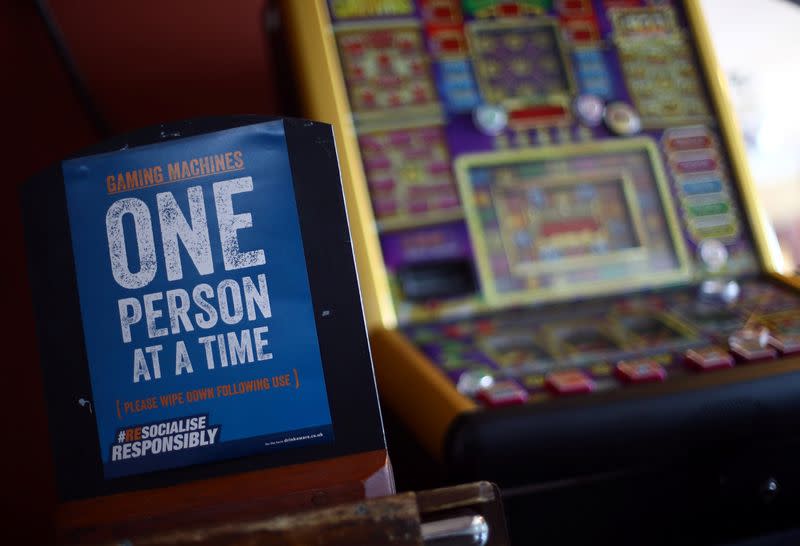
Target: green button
(709, 209)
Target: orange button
(709, 358)
(640, 371)
(569, 382)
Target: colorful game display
(442, 91)
(605, 174)
(519, 61)
(386, 69)
(410, 177)
(558, 206)
(657, 66)
(577, 220)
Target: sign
(197, 314)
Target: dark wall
(144, 62)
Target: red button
(640, 371)
(709, 358)
(569, 382)
(748, 353)
(503, 393)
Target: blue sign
(197, 313)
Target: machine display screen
(554, 225)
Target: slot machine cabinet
(562, 260)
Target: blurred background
(763, 80)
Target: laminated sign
(197, 314)
(199, 326)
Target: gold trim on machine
(402, 368)
(397, 362)
(324, 97)
(714, 77)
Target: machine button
(621, 119)
(714, 254)
(490, 119)
(503, 393)
(708, 358)
(719, 291)
(769, 490)
(589, 110)
(640, 371)
(786, 343)
(569, 382)
(473, 381)
(752, 344)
